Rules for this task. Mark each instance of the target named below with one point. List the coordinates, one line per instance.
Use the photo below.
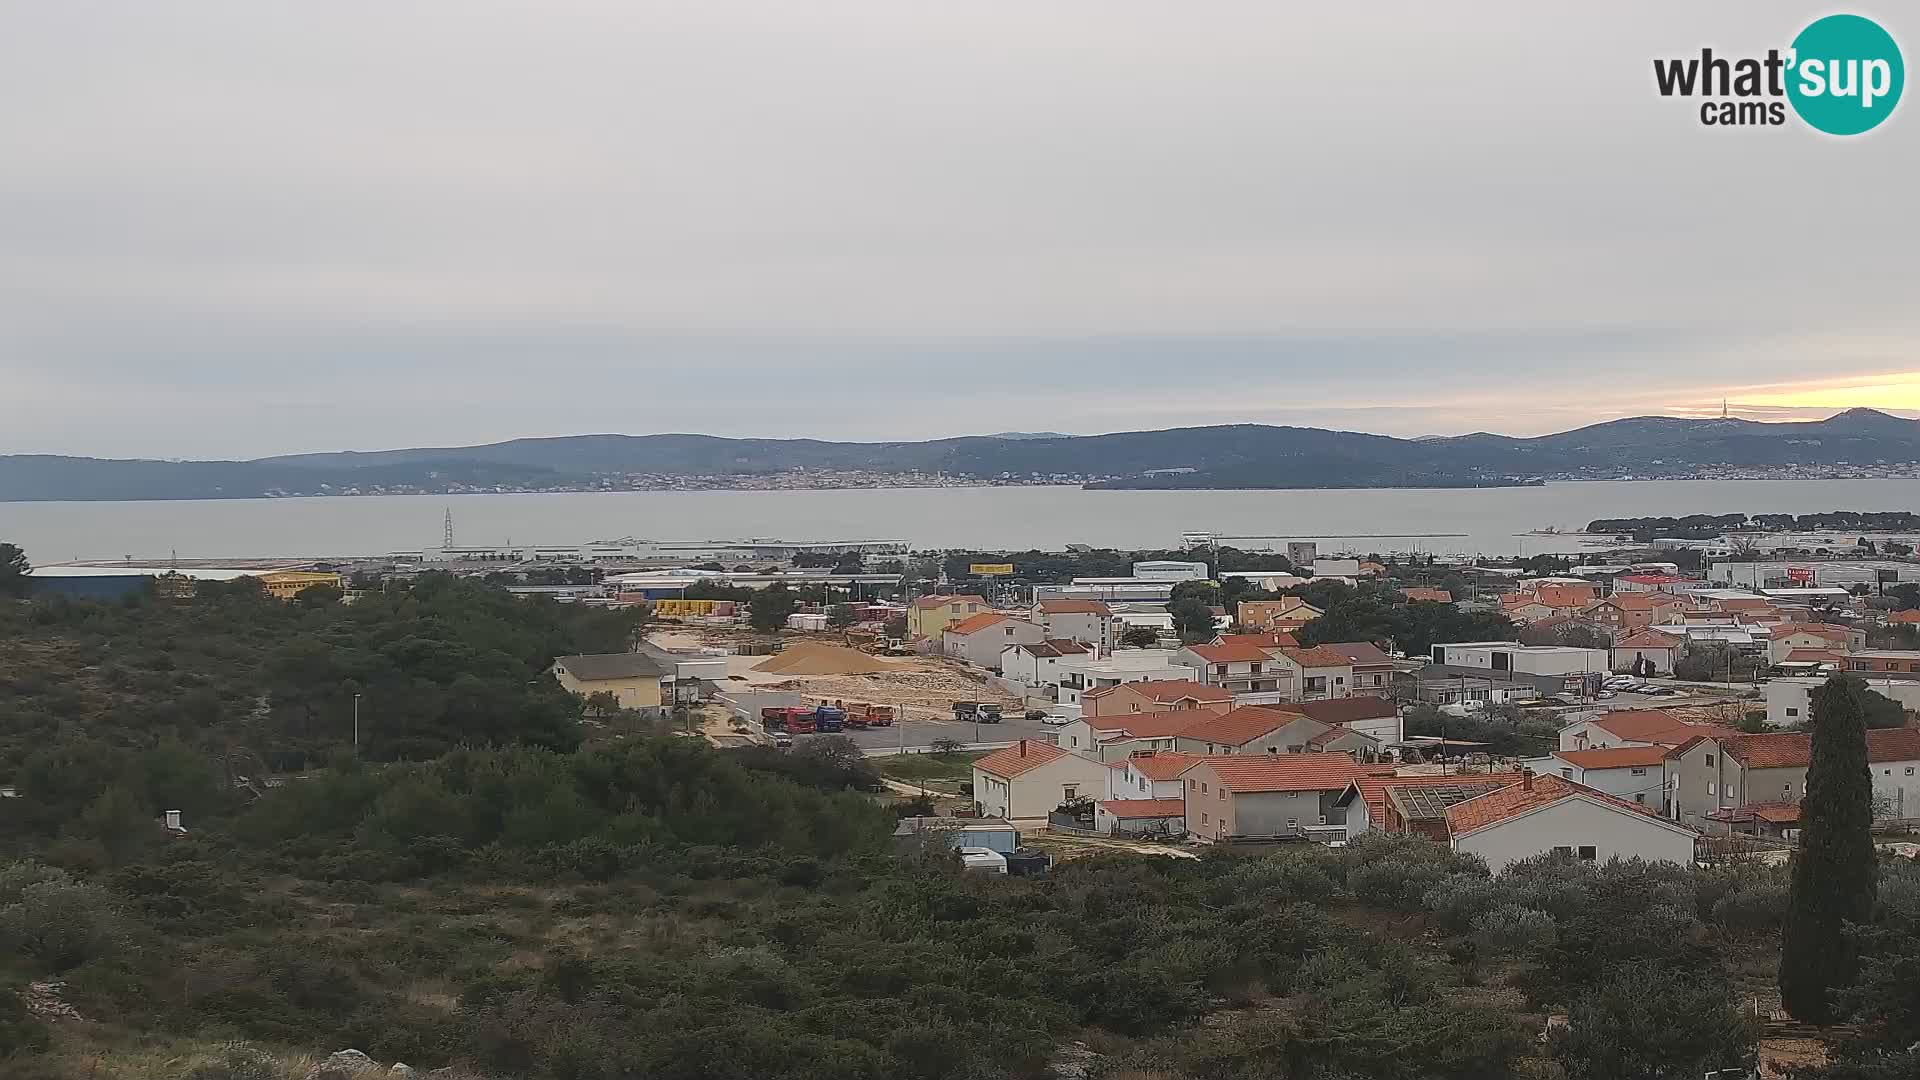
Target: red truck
(862, 715)
(787, 721)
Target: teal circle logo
(1846, 74)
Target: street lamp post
(356, 725)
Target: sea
(1451, 521)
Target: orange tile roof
(1566, 596)
(975, 623)
(1230, 654)
(1340, 711)
(1074, 607)
(1135, 809)
(1160, 690)
(1898, 617)
(1022, 757)
(1254, 773)
(1160, 764)
(1794, 749)
(1777, 813)
(1317, 657)
(1630, 601)
(1614, 757)
(1814, 656)
(1359, 653)
(1516, 799)
(1151, 725)
(1438, 596)
(1240, 726)
(1654, 726)
(943, 601)
(1056, 647)
(1648, 639)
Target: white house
(980, 639)
(1542, 814)
(1790, 699)
(1043, 664)
(1319, 672)
(1123, 666)
(1240, 667)
(1634, 773)
(1647, 652)
(1089, 622)
(1029, 779)
(1633, 727)
(1522, 659)
(1250, 730)
(1148, 774)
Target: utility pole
(356, 725)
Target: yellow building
(931, 615)
(632, 678)
(287, 584)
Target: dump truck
(860, 714)
(979, 712)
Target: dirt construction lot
(918, 687)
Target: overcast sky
(244, 228)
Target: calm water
(1492, 521)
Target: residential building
(1156, 695)
(1711, 774)
(1505, 656)
(633, 679)
(1634, 773)
(1372, 669)
(1361, 745)
(1249, 730)
(1141, 817)
(1624, 613)
(1117, 737)
(1652, 583)
(1042, 666)
(1319, 672)
(1885, 662)
(1565, 594)
(980, 639)
(1416, 594)
(1089, 622)
(1411, 805)
(1790, 698)
(1122, 666)
(1647, 652)
(1336, 568)
(1633, 727)
(1375, 717)
(1239, 669)
(1288, 613)
(1149, 774)
(1822, 637)
(1029, 779)
(1260, 795)
(1542, 814)
(1265, 641)
(1439, 687)
(1526, 610)
(928, 616)
(287, 584)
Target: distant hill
(1226, 456)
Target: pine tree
(1833, 870)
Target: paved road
(913, 733)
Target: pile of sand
(808, 659)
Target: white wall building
(1503, 656)
(1790, 699)
(1544, 814)
(1169, 570)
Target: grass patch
(944, 772)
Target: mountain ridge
(1209, 456)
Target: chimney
(1023, 748)
(1526, 779)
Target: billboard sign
(1800, 575)
(995, 569)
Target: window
(1203, 789)
(1203, 817)
(1562, 849)
(1709, 761)
(1709, 787)
(1786, 789)
(1588, 853)
(1191, 784)
(1793, 711)
(1068, 791)
(1223, 794)
(1909, 770)
(1568, 773)
(1636, 772)
(1640, 797)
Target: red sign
(1800, 575)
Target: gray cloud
(233, 229)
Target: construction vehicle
(827, 718)
(978, 712)
(861, 715)
(787, 721)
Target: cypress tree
(1833, 870)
